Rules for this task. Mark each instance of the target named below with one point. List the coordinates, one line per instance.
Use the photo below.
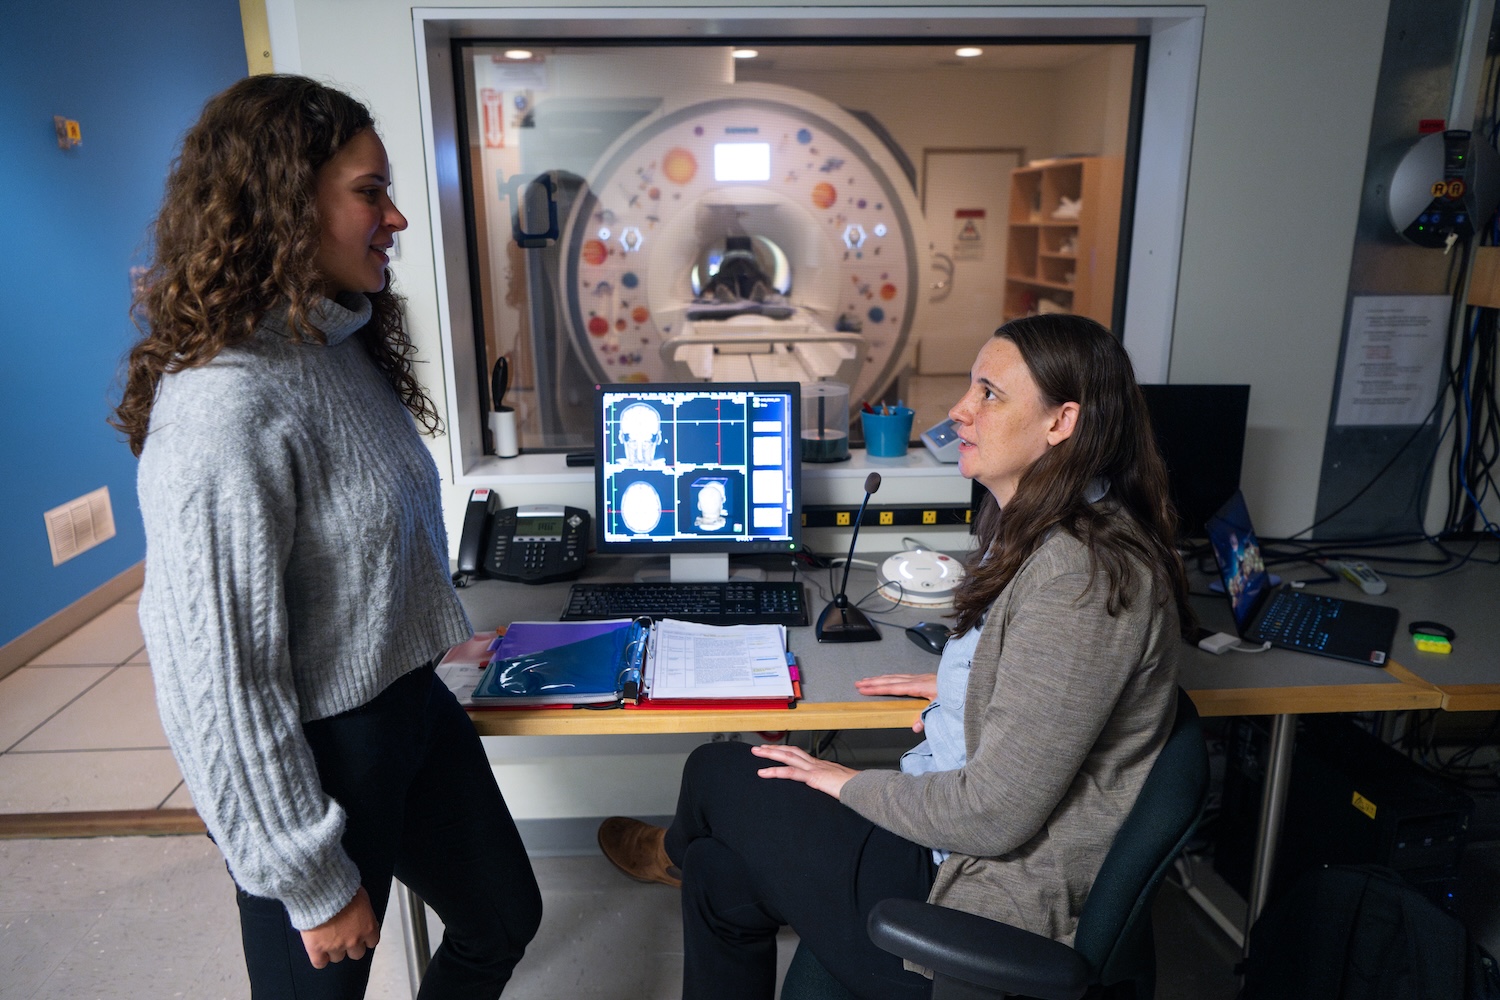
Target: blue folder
(598, 668)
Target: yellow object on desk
(1431, 643)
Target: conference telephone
(533, 543)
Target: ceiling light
(968, 52)
(518, 54)
(744, 53)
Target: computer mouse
(931, 636)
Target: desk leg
(414, 935)
(1272, 810)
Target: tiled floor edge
(20, 650)
(115, 823)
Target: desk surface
(1467, 599)
(1271, 683)
(828, 671)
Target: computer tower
(1351, 800)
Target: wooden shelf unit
(1069, 261)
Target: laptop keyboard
(1295, 618)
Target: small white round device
(920, 577)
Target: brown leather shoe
(639, 850)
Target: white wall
(980, 108)
(1091, 104)
(1284, 107)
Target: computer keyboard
(1294, 618)
(736, 602)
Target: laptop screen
(1237, 551)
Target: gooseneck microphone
(842, 621)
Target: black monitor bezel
(791, 390)
(1210, 445)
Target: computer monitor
(1200, 430)
(698, 472)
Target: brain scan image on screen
(691, 464)
(640, 507)
(712, 502)
(641, 436)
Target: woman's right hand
(347, 934)
(909, 685)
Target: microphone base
(845, 624)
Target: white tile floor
(78, 726)
(119, 918)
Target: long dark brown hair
(1074, 359)
(236, 237)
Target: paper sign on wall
(968, 233)
(1392, 359)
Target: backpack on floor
(1346, 932)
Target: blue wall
(134, 75)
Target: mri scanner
(752, 232)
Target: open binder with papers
(639, 664)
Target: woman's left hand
(799, 765)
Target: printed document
(689, 660)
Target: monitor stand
(698, 567)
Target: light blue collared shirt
(943, 720)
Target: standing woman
(1050, 704)
(297, 590)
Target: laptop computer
(1285, 616)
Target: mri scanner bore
(755, 234)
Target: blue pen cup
(886, 434)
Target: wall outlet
(79, 525)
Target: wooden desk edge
(1471, 697)
(1412, 692)
(809, 715)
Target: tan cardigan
(1067, 708)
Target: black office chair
(1113, 953)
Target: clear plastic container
(825, 422)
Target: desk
(1286, 684)
(1277, 682)
(1468, 601)
(828, 670)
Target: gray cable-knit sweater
(296, 565)
(1066, 711)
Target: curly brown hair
(236, 237)
(1072, 358)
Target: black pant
(422, 803)
(759, 853)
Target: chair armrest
(978, 950)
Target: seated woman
(1050, 704)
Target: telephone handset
(534, 543)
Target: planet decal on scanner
(679, 165)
